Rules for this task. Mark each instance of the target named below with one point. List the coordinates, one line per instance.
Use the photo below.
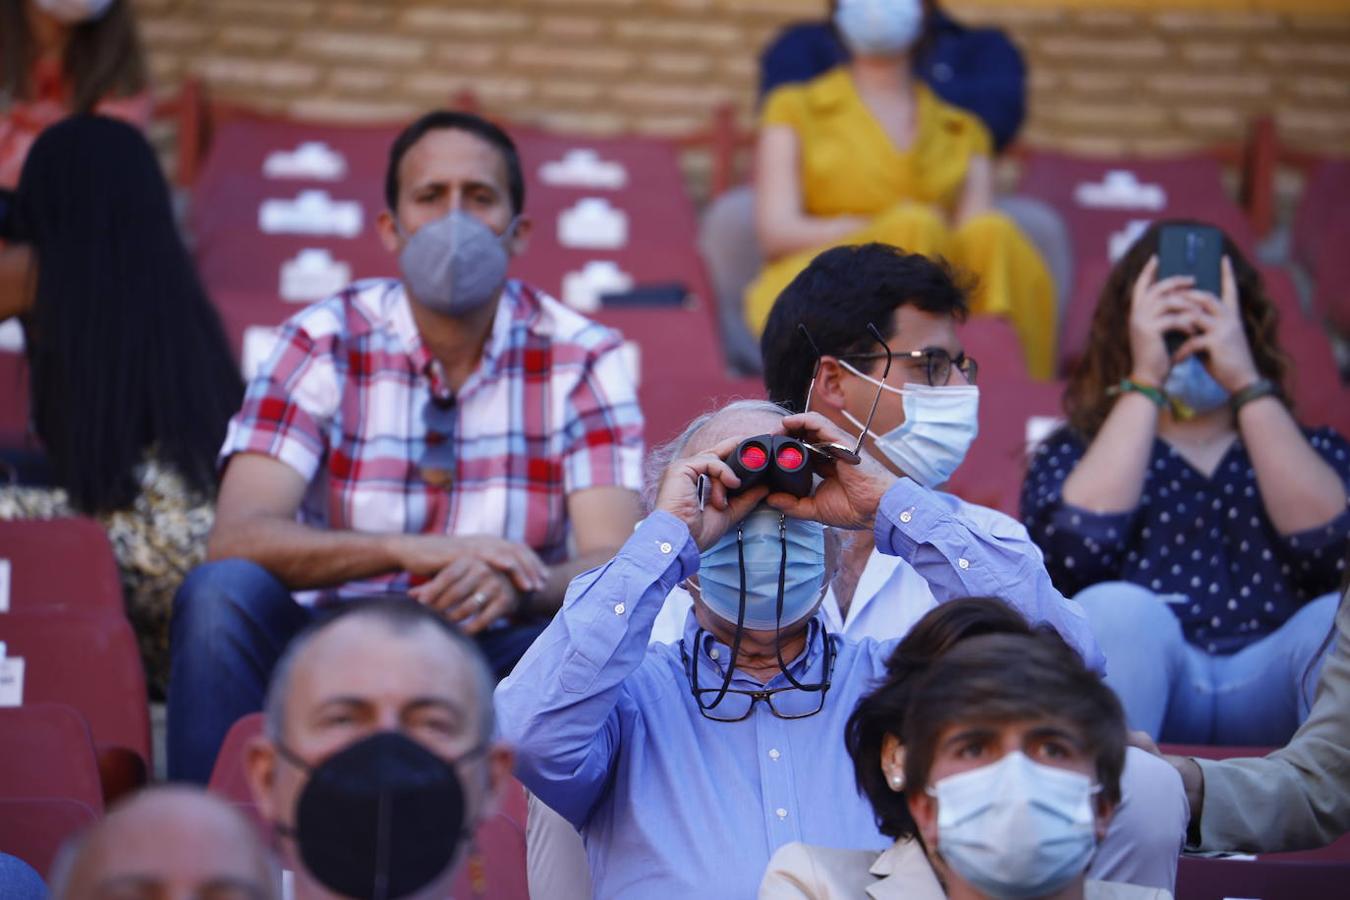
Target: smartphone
(1194, 250)
(664, 294)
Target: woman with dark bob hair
(973, 687)
(132, 381)
(1199, 525)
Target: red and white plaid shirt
(347, 394)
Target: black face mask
(379, 819)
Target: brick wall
(1108, 75)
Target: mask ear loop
(736, 639)
(778, 619)
(881, 383)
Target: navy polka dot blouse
(1208, 539)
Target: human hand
(1221, 336)
(1155, 309)
(495, 596)
(849, 495)
(678, 494)
(448, 558)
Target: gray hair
(661, 457)
(398, 614)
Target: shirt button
(780, 813)
(619, 609)
(963, 563)
(665, 547)
(906, 516)
(774, 754)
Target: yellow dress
(849, 166)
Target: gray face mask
(456, 264)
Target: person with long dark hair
(59, 57)
(132, 381)
(1197, 522)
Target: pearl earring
(897, 781)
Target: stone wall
(1108, 76)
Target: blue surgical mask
(1016, 828)
(879, 27)
(761, 535)
(1190, 384)
(940, 425)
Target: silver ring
(479, 599)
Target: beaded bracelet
(1261, 387)
(1147, 390)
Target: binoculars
(782, 463)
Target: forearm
(1110, 476)
(1298, 489)
(302, 556)
(958, 560)
(782, 233)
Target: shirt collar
(877, 573)
(806, 666)
(517, 306)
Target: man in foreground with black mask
(377, 761)
(686, 765)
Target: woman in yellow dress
(866, 152)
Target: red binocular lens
(790, 458)
(753, 456)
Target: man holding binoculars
(686, 764)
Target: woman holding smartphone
(1200, 526)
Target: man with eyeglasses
(452, 433)
(920, 403)
(686, 764)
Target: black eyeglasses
(725, 690)
(838, 451)
(736, 704)
(937, 363)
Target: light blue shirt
(669, 803)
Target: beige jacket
(1297, 797)
(902, 872)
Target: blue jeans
(1178, 693)
(232, 620)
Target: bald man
(167, 843)
(377, 760)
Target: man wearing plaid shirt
(474, 455)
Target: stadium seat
(993, 343)
(13, 400)
(227, 775)
(46, 751)
(42, 577)
(1011, 411)
(1320, 235)
(495, 867)
(34, 828)
(91, 662)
